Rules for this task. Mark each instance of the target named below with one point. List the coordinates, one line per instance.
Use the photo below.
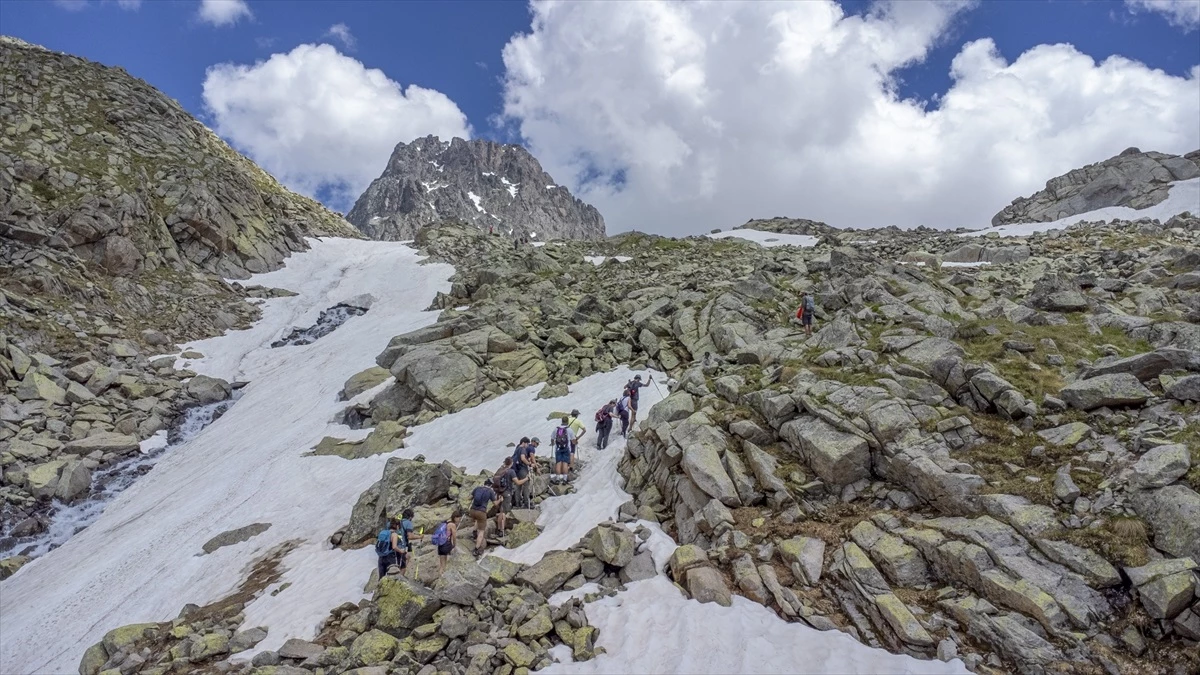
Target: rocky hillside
(101, 164)
(997, 463)
(486, 184)
(1133, 178)
(119, 216)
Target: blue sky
(454, 46)
(564, 94)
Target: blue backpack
(441, 535)
(383, 544)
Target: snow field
(769, 239)
(1183, 196)
(139, 560)
(598, 260)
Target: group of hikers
(510, 486)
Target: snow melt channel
(138, 561)
(67, 520)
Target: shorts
(446, 548)
(562, 456)
(506, 501)
(806, 320)
(633, 404)
(480, 518)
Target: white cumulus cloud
(320, 121)
(341, 32)
(223, 12)
(679, 117)
(1182, 13)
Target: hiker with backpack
(632, 387)
(445, 537)
(623, 412)
(604, 423)
(522, 467)
(505, 482)
(805, 312)
(388, 546)
(561, 440)
(577, 432)
(481, 498)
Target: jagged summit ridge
(101, 164)
(1133, 178)
(490, 185)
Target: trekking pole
(416, 576)
(660, 394)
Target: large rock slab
(1161, 466)
(205, 389)
(1173, 512)
(549, 574)
(405, 483)
(404, 603)
(703, 445)
(837, 457)
(461, 582)
(1117, 389)
(105, 442)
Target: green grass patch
(1030, 373)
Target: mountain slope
(101, 163)
(487, 184)
(1133, 178)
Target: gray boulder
(703, 445)
(1161, 466)
(1117, 389)
(1186, 388)
(612, 545)
(405, 483)
(837, 457)
(549, 574)
(235, 536)
(1173, 512)
(205, 389)
(461, 582)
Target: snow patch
(512, 187)
(475, 199)
(436, 165)
(1182, 196)
(598, 260)
(768, 239)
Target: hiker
(388, 546)
(481, 498)
(561, 440)
(577, 432)
(445, 537)
(604, 423)
(522, 459)
(805, 312)
(505, 481)
(623, 412)
(406, 537)
(632, 387)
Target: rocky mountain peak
(1133, 178)
(487, 184)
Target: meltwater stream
(67, 520)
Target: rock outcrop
(101, 164)
(1133, 178)
(493, 186)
